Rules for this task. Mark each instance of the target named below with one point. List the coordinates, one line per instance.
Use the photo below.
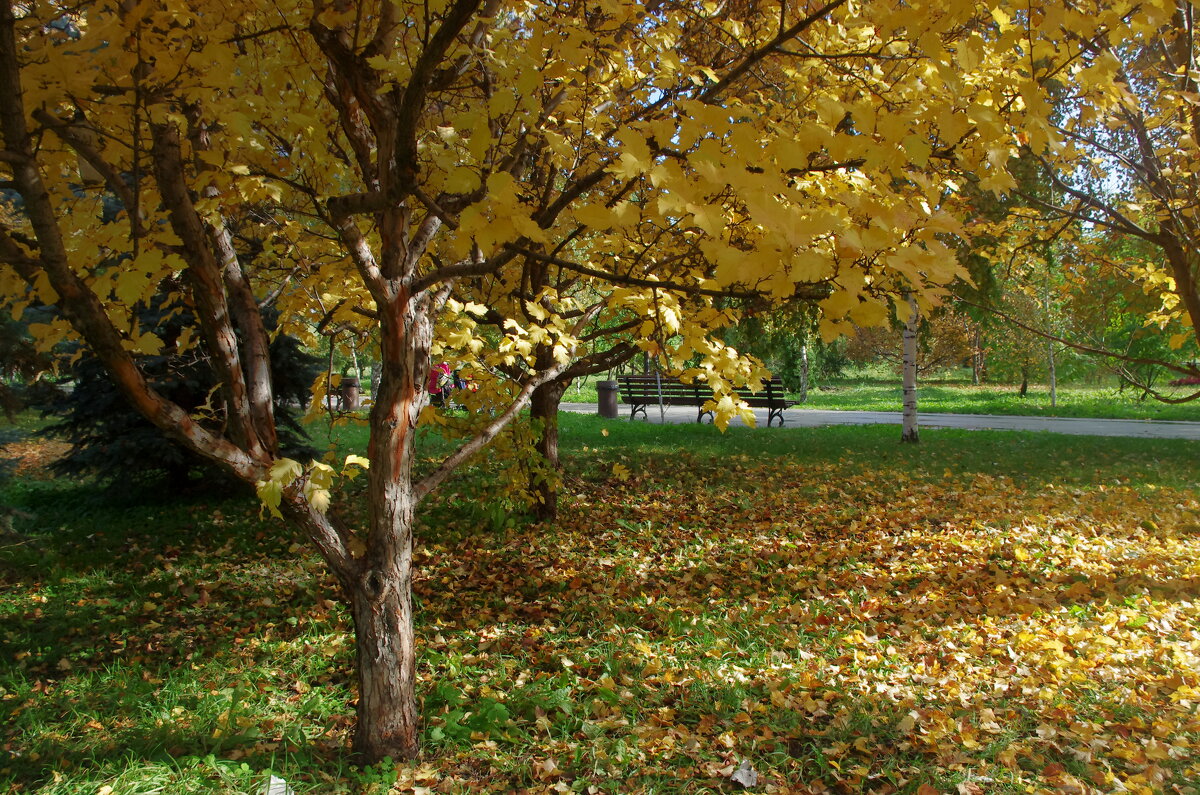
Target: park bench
(640, 391)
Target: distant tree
(782, 340)
(945, 340)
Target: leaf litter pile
(841, 623)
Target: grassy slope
(986, 610)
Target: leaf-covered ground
(986, 613)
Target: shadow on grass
(740, 561)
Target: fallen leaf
(745, 776)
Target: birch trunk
(804, 370)
(1053, 373)
(977, 356)
(910, 431)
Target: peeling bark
(381, 598)
(543, 408)
(207, 283)
(80, 305)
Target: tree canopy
(420, 165)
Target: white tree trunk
(977, 356)
(1053, 373)
(804, 370)
(910, 431)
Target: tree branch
(710, 94)
(489, 432)
(806, 291)
(431, 481)
(1187, 371)
(78, 303)
(412, 101)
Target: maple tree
(422, 167)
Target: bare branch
(711, 93)
(258, 34)
(484, 436)
(1183, 370)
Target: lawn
(958, 397)
(942, 397)
(982, 613)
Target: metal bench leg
(636, 408)
(701, 414)
(775, 414)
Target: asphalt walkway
(808, 418)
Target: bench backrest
(647, 388)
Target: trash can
(607, 397)
(348, 389)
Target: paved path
(807, 418)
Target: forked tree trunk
(543, 407)
(910, 433)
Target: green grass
(881, 393)
(836, 608)
(958, 398)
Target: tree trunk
(977, 356)
(543, 407)
(386, 658)
(804, 369)
(1024, 381)
(381, 596)
(910, 432)
(1053, 373)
